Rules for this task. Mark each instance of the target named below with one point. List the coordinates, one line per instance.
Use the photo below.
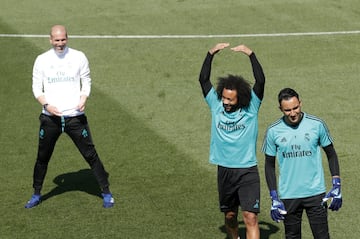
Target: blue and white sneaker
(34, 201)
(108, 200)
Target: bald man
(61, 83)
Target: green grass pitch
(148, 118)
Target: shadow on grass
(82, 180)
(266, 229)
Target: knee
(250, 218)
(231, 219)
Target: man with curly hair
(234, 107)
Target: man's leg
(292, 222)
(232, 224)
(317, 215)
(48, 135)
(249, 195)
(252, 225)
(78, 130)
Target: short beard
(233, 108)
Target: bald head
(58, 38)
(58, 29)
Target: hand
(334, 195)
(277, 207)
(218, 47)
(242, 48)
(53, 110)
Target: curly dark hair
(238, 83)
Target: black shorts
(239, 187)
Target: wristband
(336, 181)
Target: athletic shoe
(108, 200)
(34, 201)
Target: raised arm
(259, 76)
(204, 77)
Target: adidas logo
(256, 205)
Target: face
(291, 109)
(58, 39)
(229, 99)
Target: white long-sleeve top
(62, 79)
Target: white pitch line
(186, 36)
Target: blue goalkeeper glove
(334, 195)
(277, 207)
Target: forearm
(81, 105)
(270, 172)
(333, 160)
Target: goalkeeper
(295, 139)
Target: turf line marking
(185, 36)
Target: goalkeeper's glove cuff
(336, 182)
(274, 195)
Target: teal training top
(233, 135)
(298, 152)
